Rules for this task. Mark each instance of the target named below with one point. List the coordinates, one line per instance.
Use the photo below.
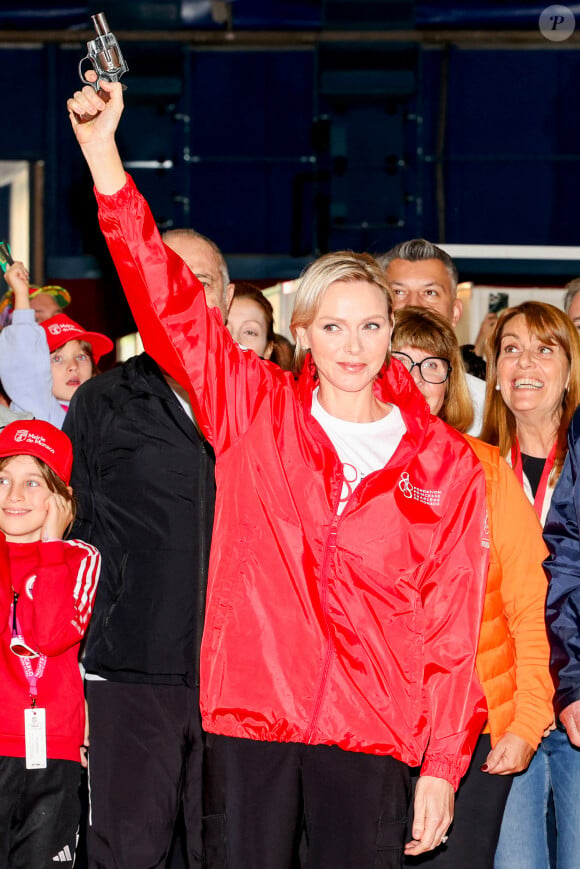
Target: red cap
(60, 329)
(35, 437)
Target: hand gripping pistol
(104, 55)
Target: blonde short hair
(344, 265)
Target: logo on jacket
(485, 535)
(432, 497)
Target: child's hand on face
(17, 278)
(59, 515)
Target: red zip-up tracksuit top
(56, 584)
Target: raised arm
(168, 302)
(25, 366)
(97, 137)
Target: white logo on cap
(25, 436)
(59, 328)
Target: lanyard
(543, 484)
(32, 676)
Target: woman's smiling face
(532, 374)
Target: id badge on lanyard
(35, 737)
(34, 717)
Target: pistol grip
(84, 118)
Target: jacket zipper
(329, 552)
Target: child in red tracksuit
(47, 586)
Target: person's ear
(457, 312)
(229, 295)
(301, 337)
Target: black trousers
(39, 814)
(261, 796)
(146, 755)
(479, 806)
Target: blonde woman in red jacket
(348, 558)
(513, 651)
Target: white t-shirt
(362, 447)
(477, 392)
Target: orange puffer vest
(513, 651)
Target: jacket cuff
(564, 697)
(441, 768)
(118, 199)
(530, 734)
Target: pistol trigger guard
(93, 84)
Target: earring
(497, 386)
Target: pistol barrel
(100, 22)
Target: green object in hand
(5, 256)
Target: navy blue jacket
(562, 536)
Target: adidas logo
(63, 856)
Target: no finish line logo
(557, 23)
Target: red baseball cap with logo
(35, 437)
(60, 329)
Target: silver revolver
(105, 56)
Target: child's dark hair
(52, 480)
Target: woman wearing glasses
(512, 660)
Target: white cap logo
(58, 328)
(25, 436)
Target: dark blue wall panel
(512, 167)
(291, 152)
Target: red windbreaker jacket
(358, 630)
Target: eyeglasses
(433, 369)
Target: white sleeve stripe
(87, 578)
